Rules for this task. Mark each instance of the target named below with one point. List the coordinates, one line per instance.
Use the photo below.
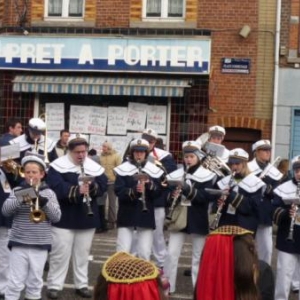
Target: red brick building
(233, 87)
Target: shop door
(295, 147)
(242, 138)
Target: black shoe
(83, 292)
(32, 299)
(2, 297)
(187, 273)
(296, 291)
(52, 294)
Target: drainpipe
(276, 77)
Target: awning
(99, 85)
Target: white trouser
(144, 237)
(25, 269)
(264, 243)
(4, 258)
(286, 265)
(296, 278)
(159, 245)
(66, 243)
(176, 241)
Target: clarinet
(86, 197)
(142, 196)
(215, 222)
(293, 218)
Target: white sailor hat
(33, 157)
(139, 145)
(149, 134)
(237, 155)
(216, 129)
(37, 125)
(261, 144)
(296, 162)
(192, 147)
(77, 138)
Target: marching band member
(7, 180)
(33, 140)
(261, 163)
(164, 160)
(287, 218)
(243, 191)
(196, 180)
(30, 237)
(73, 234)
(135, 196)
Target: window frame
(164, 13)
(65, 12)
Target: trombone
(46, 159)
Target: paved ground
(104, 246)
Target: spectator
(62, 143)
(109, 159)
(13, 129)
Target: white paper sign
(117, 120)
(136, 119)
(96, 142)
(78, 118)
(157, 118)
(97, 120)
(53, 135)
(55, 116)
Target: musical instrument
(11, 166)
(293, 218)
(46, 160)
(86, 197)
(175, 200)
(216, 165)
(36, 214)
(142, 178)
(269, 167)
(215, 222)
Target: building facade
(112, 68)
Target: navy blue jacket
(130, 212)
(74, 211)
(246, 205)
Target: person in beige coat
(109, 159)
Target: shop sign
(162, 55)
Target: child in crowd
(30, 238)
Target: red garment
(146, 290)
(216, 270)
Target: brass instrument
(215, 222)
(11, 166)
(269, 167)
(175, 200)
(293, 218)
(216, 165)
(86, 197)
(36, 214)
(142, 196)
(46, 159)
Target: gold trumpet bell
(37, 216)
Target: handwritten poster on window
(97, 120)
(157, 118)
(53, 135)
(117, 120)
(88, 119)
(78, 119)
(136, 119)
(96, 142)
(55, 116)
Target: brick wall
(241, 99)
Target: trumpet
(86, 197)
(290, 236)
(36, 214)
(215, 222)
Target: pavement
(104, 246)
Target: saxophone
(293, 218)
